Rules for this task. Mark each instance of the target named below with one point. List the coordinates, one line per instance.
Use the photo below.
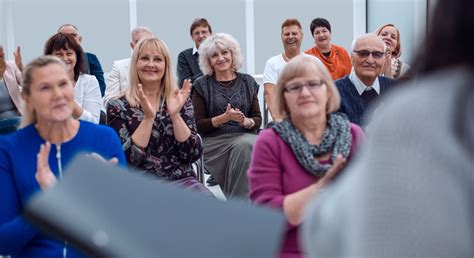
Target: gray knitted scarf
(336, 138)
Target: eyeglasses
(366, 53)
(297, 88)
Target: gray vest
(240, 96)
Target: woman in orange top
(335, 58)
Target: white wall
(408, 15)
(170, 20)
(105, 24)
(3, 24)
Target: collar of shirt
(195, 50)
(361, 87)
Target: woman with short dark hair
(335, 58)
(88, 101)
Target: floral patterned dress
(164, 156)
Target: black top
(93, 67)
(188, 66)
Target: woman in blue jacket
(33, 157)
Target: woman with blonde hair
(33, 157)
(155, 119)
(394, 67)
(293, 159)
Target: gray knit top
(241, 94)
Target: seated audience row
(157, 123)
(360, 83)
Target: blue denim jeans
(9, 125)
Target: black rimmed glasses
(367, 53)
(298, 87)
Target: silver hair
(68, 25)
(140, 29)
(363, 36)
(219, 41)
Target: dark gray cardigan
(242, 94)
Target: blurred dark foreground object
(109, 212)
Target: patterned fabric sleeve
(117, 117)
(190, 150)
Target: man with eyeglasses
(188, 60)
(363, 85)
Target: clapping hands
(234, 114)
(148, 109)
(3, 62)
(45, 177)
(178, 98)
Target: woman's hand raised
(44, 176)
(178, 98)
(18, 61)
(148, 109)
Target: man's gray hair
(363, 36)
(140, 29)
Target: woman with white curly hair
(227, 113)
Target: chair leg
(200, 170)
